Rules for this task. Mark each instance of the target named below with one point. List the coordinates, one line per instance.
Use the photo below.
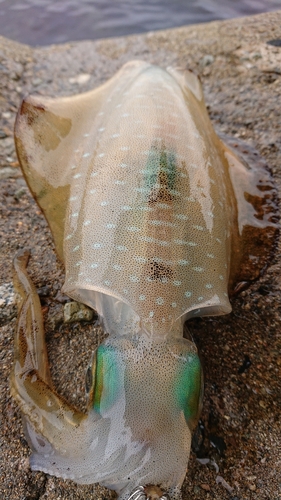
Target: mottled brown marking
(159, 271)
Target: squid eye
(89, 379)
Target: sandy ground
(241, 75)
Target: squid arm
(50, 415)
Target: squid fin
(188, 81)
(45, 133)
(50, 137)
(257, 214)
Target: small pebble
(196, 489)
(206, 60)
(257, 55)
(205, 487)
(24, 464)
(80, 79)
(10, 159)
(9, 172)
(220, 480)
(252, 487)
(20, 192)
(203, 461)
(36, 82)
(74, 311)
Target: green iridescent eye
(189, 389)
(107, 379)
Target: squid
(156, 220)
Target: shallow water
(41, 22)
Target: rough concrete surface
(241, 76)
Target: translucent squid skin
(146, 205)
(144, 401)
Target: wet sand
(240, 432)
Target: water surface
(41, 22)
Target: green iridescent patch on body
(188, 389)
(161, 168)
(107, 379)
